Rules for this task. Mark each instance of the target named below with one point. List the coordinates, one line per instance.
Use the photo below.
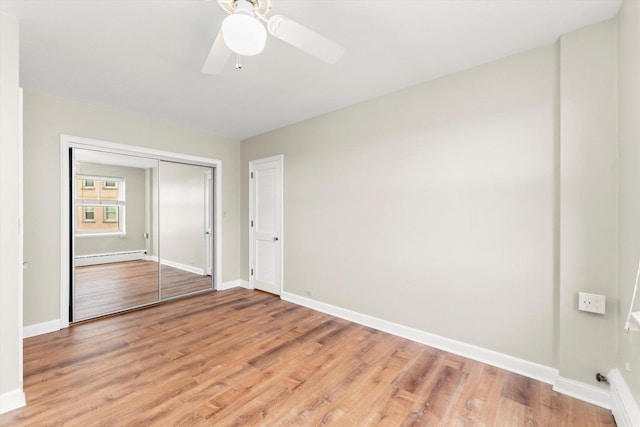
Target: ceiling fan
(244, 33)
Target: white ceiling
(145, 56)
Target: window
(110, 214)
(88, 214)
(100, 204)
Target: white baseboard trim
(586, 392)
(546, 374)
(623, 405)
(12, 400)
(490, 357)
(184, 267)
(95, 259)
(41, 328)
(233, 284)
(54, 325)
(175, 264)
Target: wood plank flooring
(242, 357)
(106, 288)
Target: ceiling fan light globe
(244, 34)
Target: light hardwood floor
(106, 288)
(243, 357)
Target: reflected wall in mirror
(113, 221)
(186, 220)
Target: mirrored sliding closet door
(114, 232)
(142, 231)
(186, 229)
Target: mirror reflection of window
(101, 205)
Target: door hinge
(252, 271)
(252, 223)
(251, 175)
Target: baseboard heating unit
(95, 259)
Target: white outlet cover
(592, 303)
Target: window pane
(110, 214)
(99, 189)
(98, 219)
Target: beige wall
(588, 202)
(45, 118)
(629, 185)
(475, 207)
(10, 271)
(432, 207)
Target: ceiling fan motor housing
(261, 7)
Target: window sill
(119, 233)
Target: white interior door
(265, 224)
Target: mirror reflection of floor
(107, 288)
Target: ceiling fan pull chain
(238, 64)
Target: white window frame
(120, 203)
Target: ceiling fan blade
(305, 39)
(218, 56)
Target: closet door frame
(69, 141)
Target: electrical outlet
(592, 303)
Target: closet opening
(143, 227)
